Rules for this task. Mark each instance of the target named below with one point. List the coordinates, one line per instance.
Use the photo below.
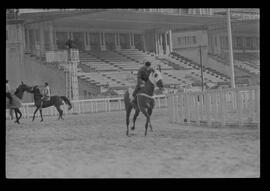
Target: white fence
(86, 106)
(224, 107)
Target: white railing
(86, 106)
(228, 106)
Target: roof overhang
(124, 19)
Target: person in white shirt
(46, 94)
(8, 95)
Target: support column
(87, 41)
(170, 40)
(160, 44)
(131, 40)
(144, 44)
(117, 45)
(102, 41)
(27, 40)
(51, 33)
(42, 43)
(157, 44)
(132, 37)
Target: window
(86, 38)
(239, 42)
(194, 39)
(224, 42)
(187, 40)
(249, 44)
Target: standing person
(8, 94)
(142, 76)
(46, 94)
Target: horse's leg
(20, 114)
(16, 114)
(60, 111)
(143, 110)
(150, 113)
(137, 111)
(40, 111)
(128, 110)
(35, 113)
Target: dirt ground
(95, 146)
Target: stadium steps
(113, 79)
(173, 65)
(225, 62)
(193, 64)
(126, 56)
(105, 60)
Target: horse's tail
(66, 100)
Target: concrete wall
(150, 40)
(192, 51)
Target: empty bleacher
(244, 61)
(140, 57)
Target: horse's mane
(36, 87)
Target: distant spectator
(70, 44)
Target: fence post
(208, 109)
(239, 106)
(222, 107)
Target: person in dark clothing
(8, 95)
(142, 77)
(70, 44)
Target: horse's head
(156, 78)
(21, 89)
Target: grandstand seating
(208, 72)
(140, 57)
(117, 69)
(244, 61)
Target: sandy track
(95, 146)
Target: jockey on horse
(142, 77)
(46, 94)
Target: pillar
(117, 45)
(87, 41)
(170, 41)
(51, 33)
(102, 41)
(42, 43)
(130, 40)
(144, 44)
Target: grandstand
(114, 43)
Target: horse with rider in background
(55, 101)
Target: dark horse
(143, 101)
(16, 103)
(56, 101)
